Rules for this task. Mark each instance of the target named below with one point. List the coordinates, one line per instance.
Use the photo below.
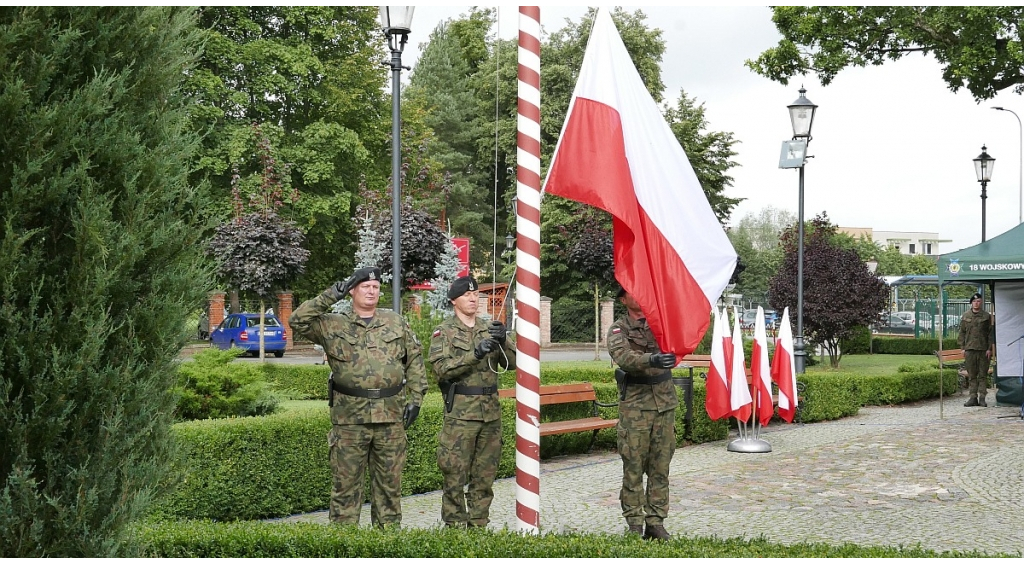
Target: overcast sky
(892, 147)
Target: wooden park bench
(570, 393)
(954, 358)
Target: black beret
(362, 275)
(976, 296)
(461, 286)
(620, 291)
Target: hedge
(200, 539)
(898, 345)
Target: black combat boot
(981, 400)
(972, 402)
(656, 532)
(636, 530)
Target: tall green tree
(311, 76)
(100, 234)
(757, 240)
(979, 47)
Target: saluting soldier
(977, 342)
(376, 388)
(646, 429)
(467, 354)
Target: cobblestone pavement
(889, 476)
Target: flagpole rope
(528, 274)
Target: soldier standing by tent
(975, 339)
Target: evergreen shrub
(900, 345)
(100, 238)
(210, 386)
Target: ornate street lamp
(794, 155)
(983, 165)
(396, 21)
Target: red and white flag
(739, 391)
(760, 372)
(717, 401)
(784, 369)
(617, 153)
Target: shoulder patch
(616, 330)
(437, 333)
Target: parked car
(242, 330)
(893, 324)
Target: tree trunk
(597, 323)
(235, 307)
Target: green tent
(999, 264)
(999, 258)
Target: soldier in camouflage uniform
(646, 430)
(975, 339)
(377, 385)
(466, 352)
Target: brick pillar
(284, 311)
(607, 316)
(545, 321)
(216, 309)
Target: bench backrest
(558, 393)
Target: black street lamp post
(801, 114)
(397, 23)
(983, 165)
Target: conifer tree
(446, 271)
(99, 264)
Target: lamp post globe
(396, 22)
(983, 165)
(801, 115)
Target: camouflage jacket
(451, 353)
(631, 344)
(381, 353)
(975, 331)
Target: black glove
(412, 411)
(338, 290)
(663, 360)
(483, 347)
(497, 331)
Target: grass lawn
(873, 364)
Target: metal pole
(984, 196)
(798, 344)
(396, 176)
(1020, 161)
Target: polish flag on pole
(617, 153)
(739, 391)
(717, 401)
(760, 372)
(784, 370)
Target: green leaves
(979, 46)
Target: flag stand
(751, 442)
(748, 443)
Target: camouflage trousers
(646, 441)
(468, 453)
(352, 448)
(976, 364)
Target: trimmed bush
(196, 539)
(898, 345)
(858, 343)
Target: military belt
(371, 393)
(649, 380)
(475, 390)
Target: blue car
(242, 330)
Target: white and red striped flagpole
(528, 274)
